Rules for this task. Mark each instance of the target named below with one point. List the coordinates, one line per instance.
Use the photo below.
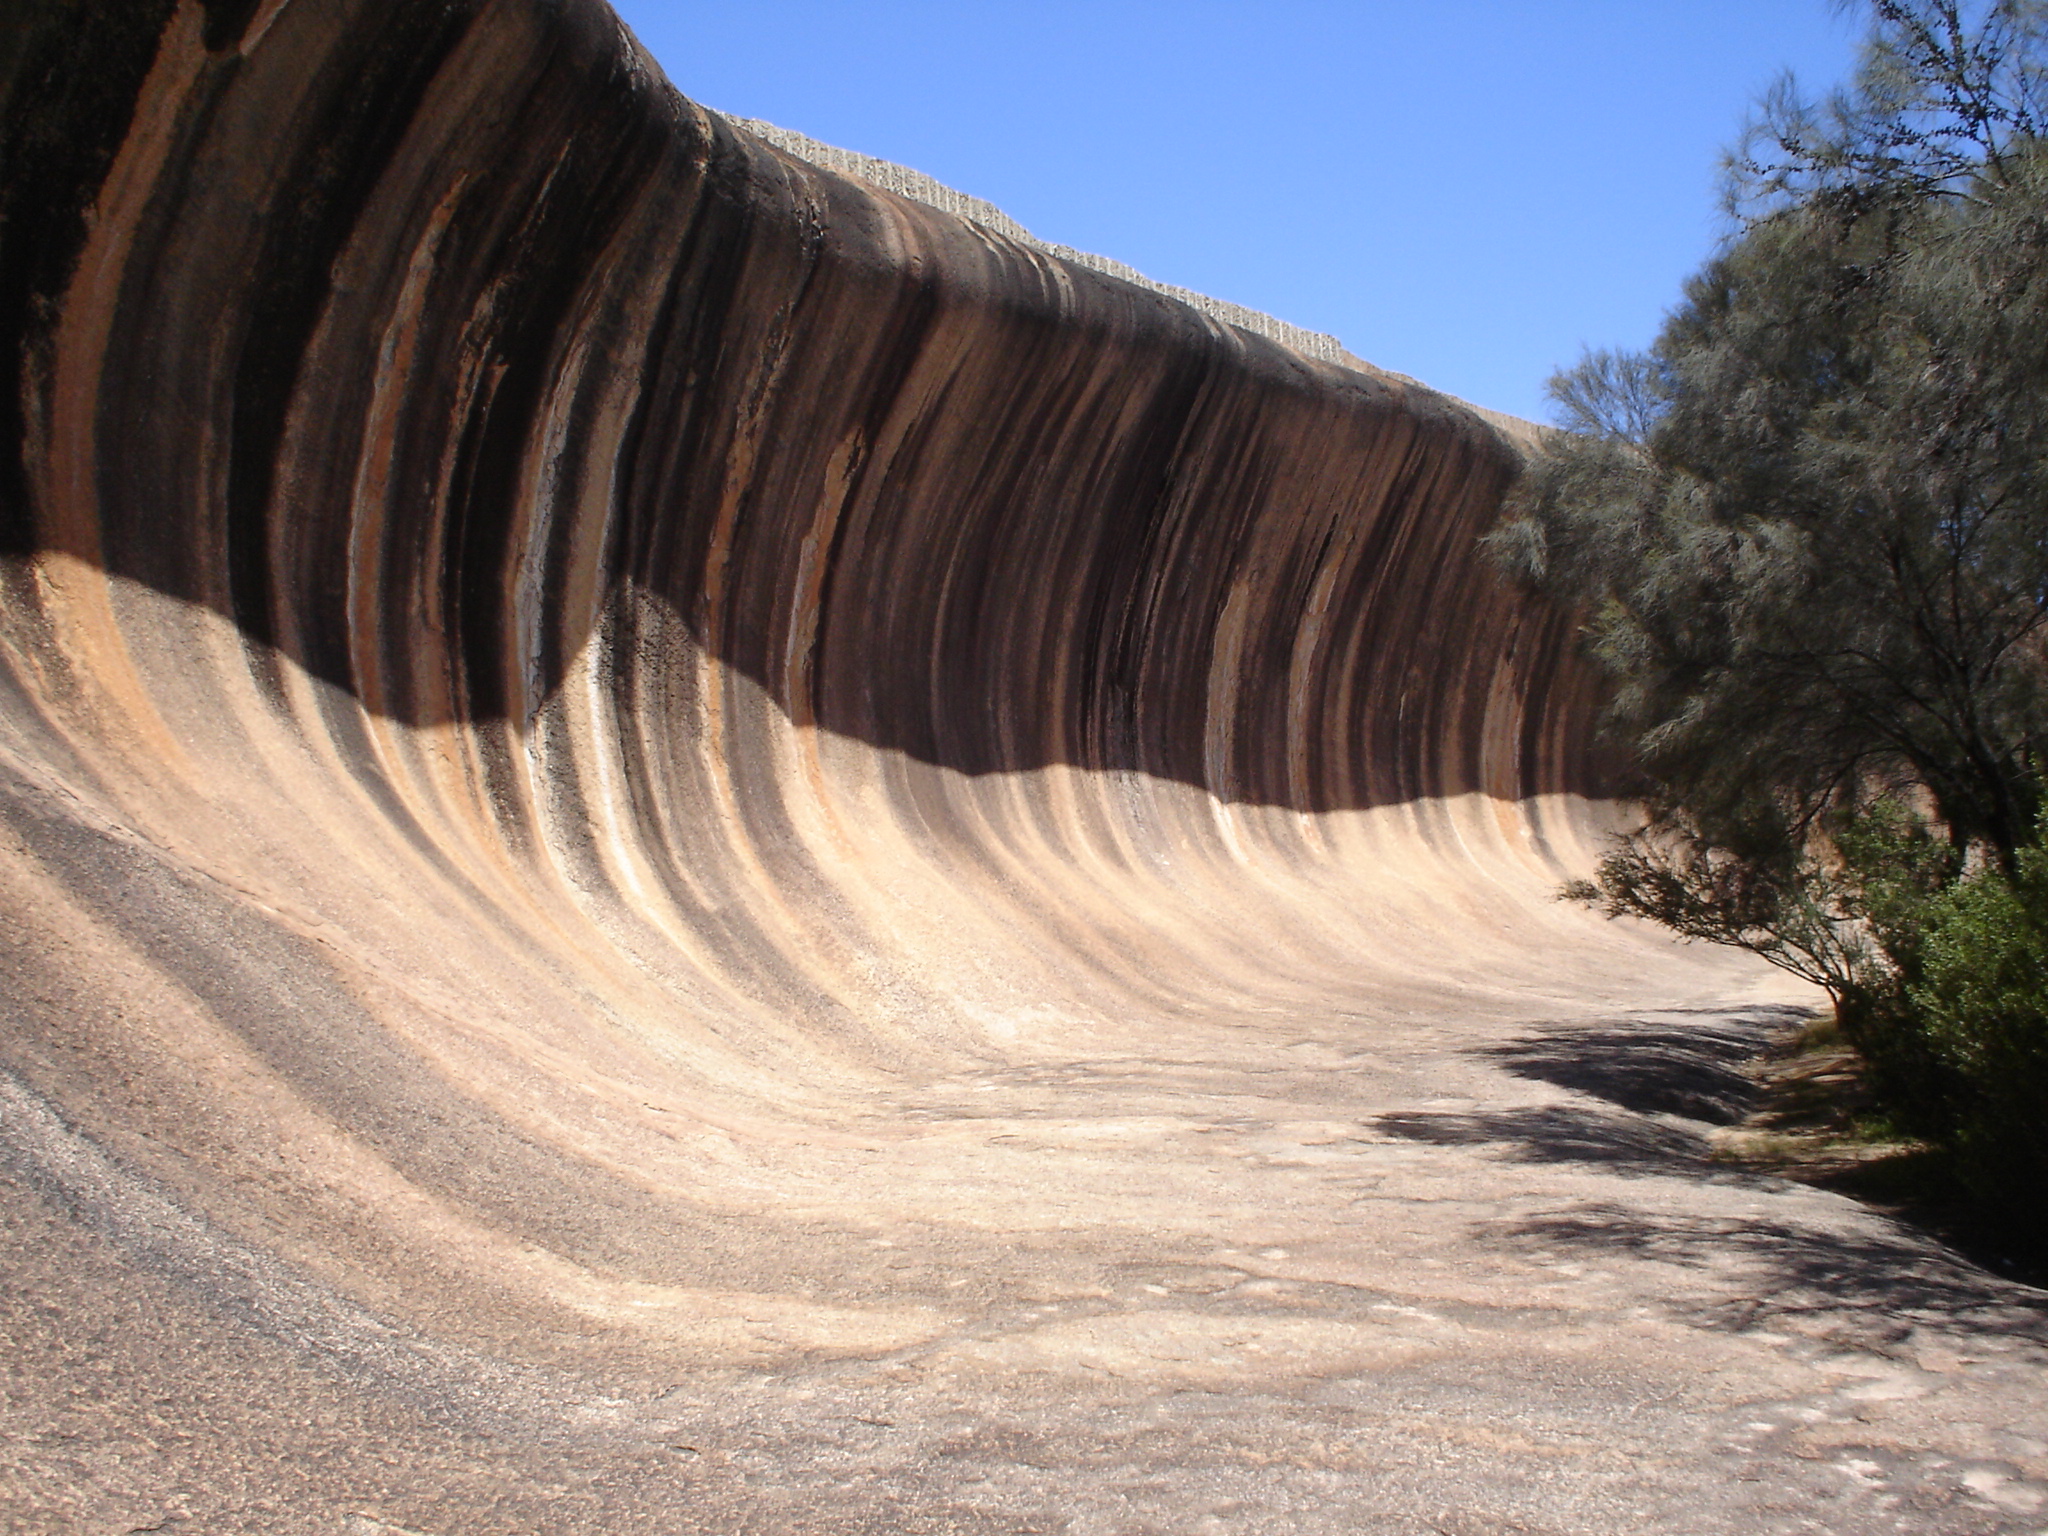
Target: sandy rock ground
(1484, 1284)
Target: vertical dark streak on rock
(376, 87)
(70, 77)
(226, 21)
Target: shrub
(1976, 983)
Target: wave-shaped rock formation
(691, 847)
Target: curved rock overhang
(573, 687)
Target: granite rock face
(686, 845)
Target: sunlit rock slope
(636, 773)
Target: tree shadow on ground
(1707, 1072)
(1697, 1070)
(1872, 1287)
(1654, 1071)
(1652, 1087)
(1558, 1133)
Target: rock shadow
(441, 415)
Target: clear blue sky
(1468, 191)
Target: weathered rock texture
(686, 846)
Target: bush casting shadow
(1659, 1072)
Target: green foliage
(1954, 1025)
(1749, 885)
(1823, 562)
(1810, 527)
(1892, 871)
(1808, 531)
(1977, 983)
(1943, 90)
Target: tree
(1809, 527)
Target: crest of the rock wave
(692, 846)
(905, 182)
